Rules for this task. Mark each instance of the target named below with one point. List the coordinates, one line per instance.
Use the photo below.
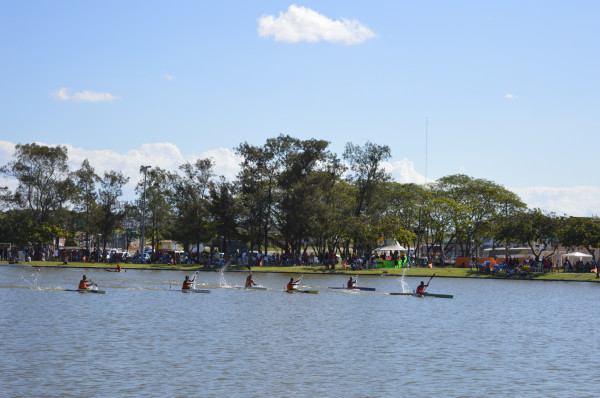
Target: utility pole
(142, 241)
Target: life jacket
(421, 289)
(83, 284)
(290, 286)
(249, 283)
(186, 285)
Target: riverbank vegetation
(295, 195)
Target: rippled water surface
(495, 337)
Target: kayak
(366, 289)
(111, 270)
(86, 291)
(302, 291)
(423, 295)
(195, 291)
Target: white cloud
(163, 154)
(64, 94)
(169, 77)
(404, 172)
(578, 201)
(510, 96)
(303, 24)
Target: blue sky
(509, 89)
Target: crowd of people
(514, 267)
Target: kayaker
(85, 284)
(118, 268)
(351, 283)
(188, 283)
(421, 288)
(292, 284)
(249, 281)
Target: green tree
(300, 159)
(581, 232)
(190, 200)
(111, 210)
(476, 203)
(258, 180)
(42, 175)
(224, 207)
(538, 230)
(84, 200)
(330, 205)
(368, 176)
(158, 208)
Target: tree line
(295, 195)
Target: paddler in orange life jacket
(118, 268)
(188, 283)
(421, 288)
(249, 281)
(351, 283)
(292, 284)
(84, 283)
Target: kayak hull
(423, 295)
(366, 289)
(86, 291)
(302, 291)
(195, 291)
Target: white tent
(578, 255)
(391, 248)
(195, 249)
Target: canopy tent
(194, 249)
(578, 255)
(391, 248)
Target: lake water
(494, 338)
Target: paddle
(429, 281)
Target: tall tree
(42, 175)
(224, 207)
(111, 209)
(157, 207)
(43, 186)
(190, 197)
(478, 201)
(538, 230)
(368, 176)
(301, 159)
(85, 198)
(258, 184)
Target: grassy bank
(439, 272)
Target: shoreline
(446, 272)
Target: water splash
(403, 283)
(31, 280)
(222, 281)
(194, 279)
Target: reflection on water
(508, 338)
